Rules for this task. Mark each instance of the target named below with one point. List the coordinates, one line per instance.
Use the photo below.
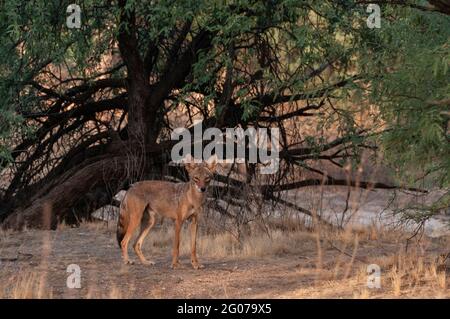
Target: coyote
(178, 201)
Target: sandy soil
(34, 264)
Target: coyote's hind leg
(147, 223)
(130, 218)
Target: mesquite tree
(86, 111)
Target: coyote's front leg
(176, 243)
(194, 226)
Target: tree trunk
(46, 211)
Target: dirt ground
(297, 265)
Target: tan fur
(177, 201)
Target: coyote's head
(201, 174)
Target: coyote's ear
(189, 163)
(211, 163)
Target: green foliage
(33, 34)
(410, 73)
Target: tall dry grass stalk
(25, 285)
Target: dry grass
(27, 285)
(273, 264)
(403, 275)
(274, 243)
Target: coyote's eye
(207, 180)
(196, 179)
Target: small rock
(107, 213)
(120, 195)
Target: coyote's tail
(122, 224)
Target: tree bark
(46, 211)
